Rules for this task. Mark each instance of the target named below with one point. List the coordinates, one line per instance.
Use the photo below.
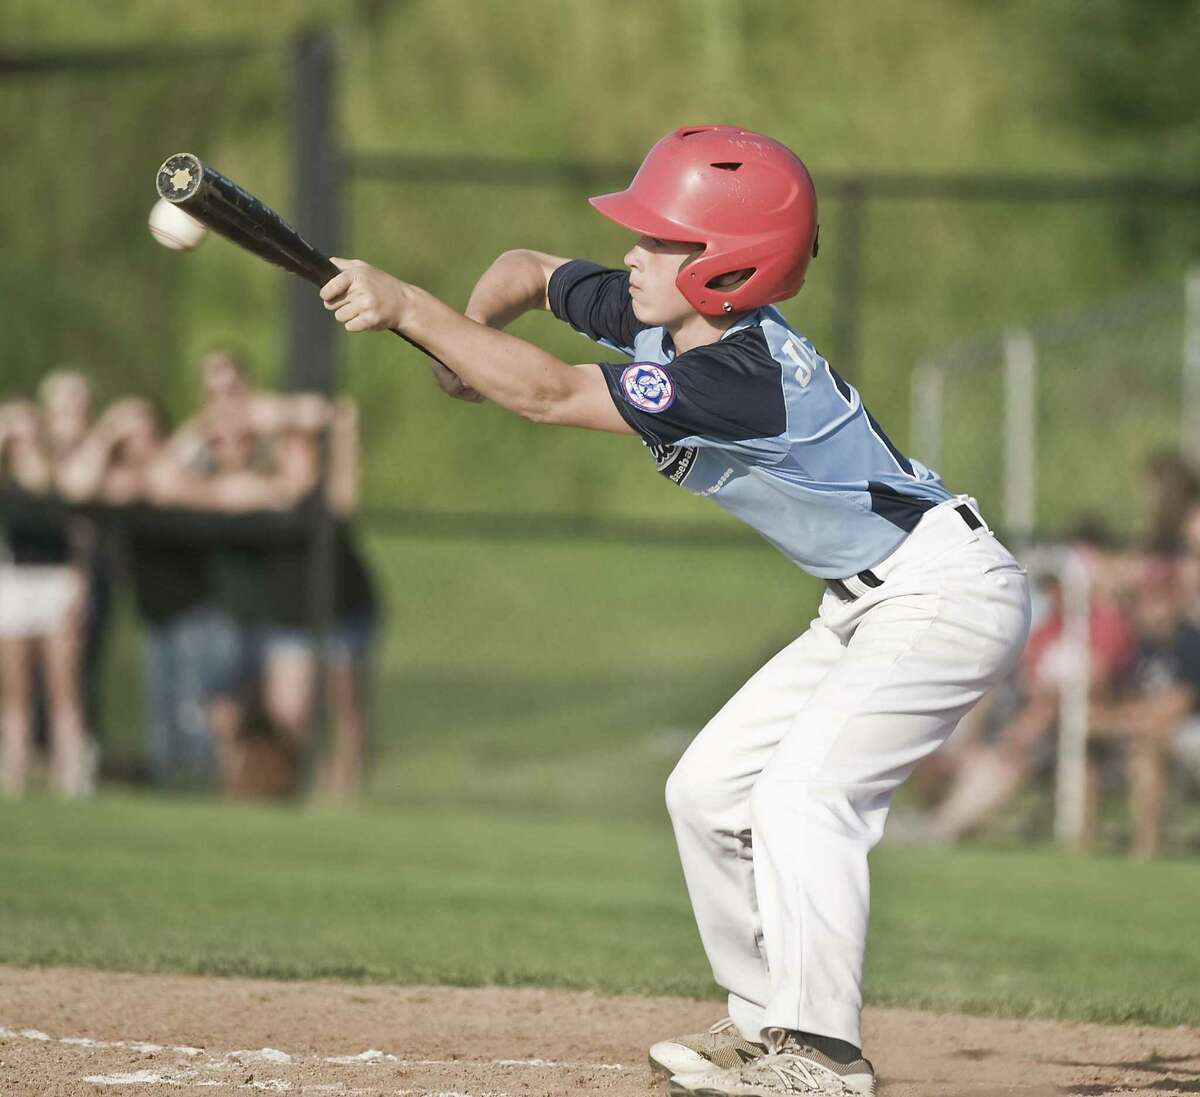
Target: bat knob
(179, 177)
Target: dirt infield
(67, 1032)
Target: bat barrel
(207, 195)
(180, 177)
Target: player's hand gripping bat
(208, 196)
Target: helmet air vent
(727, 165)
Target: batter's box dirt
(65, 1032)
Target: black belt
(868, 578)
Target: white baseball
(173, 228)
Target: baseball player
(780, 798)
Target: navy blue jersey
(760, 423)
(1171, 663)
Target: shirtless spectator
(225, 391)
(249, 451)
(219, 462)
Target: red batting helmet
(748, 199)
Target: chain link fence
(1049, 423)
(83, 281)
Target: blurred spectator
(1155, 720)
(270, 588)
(1188, 565)
(168, 567)
(990, 775)
(1170, 490)
(228, 607)
(65, 398)
(222, 379)
(42, 604)
(219, 462)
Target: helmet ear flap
(699, 282)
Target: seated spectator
(1170, 490)
(1156, 719)
(42, 604)
(1187, 565)
(990, 775)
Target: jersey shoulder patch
(730, 391)
(646, 385)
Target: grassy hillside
(945, 85)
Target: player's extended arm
(514, 373)
(516, 283)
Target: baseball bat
(208, 196)
(218, 202)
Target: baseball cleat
(720, 1048)
(795, 1070)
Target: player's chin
(646, 312)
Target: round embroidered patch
(648, 387)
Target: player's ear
(731, 280)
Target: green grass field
(463, 895)
(531, 697)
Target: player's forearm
(513, 373)
(512, 286)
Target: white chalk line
(268, 1085)
(265, 1055)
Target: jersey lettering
(804, 372)
(674, 462)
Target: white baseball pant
(780, 798)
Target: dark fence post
(311, 364)
(847, 289)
